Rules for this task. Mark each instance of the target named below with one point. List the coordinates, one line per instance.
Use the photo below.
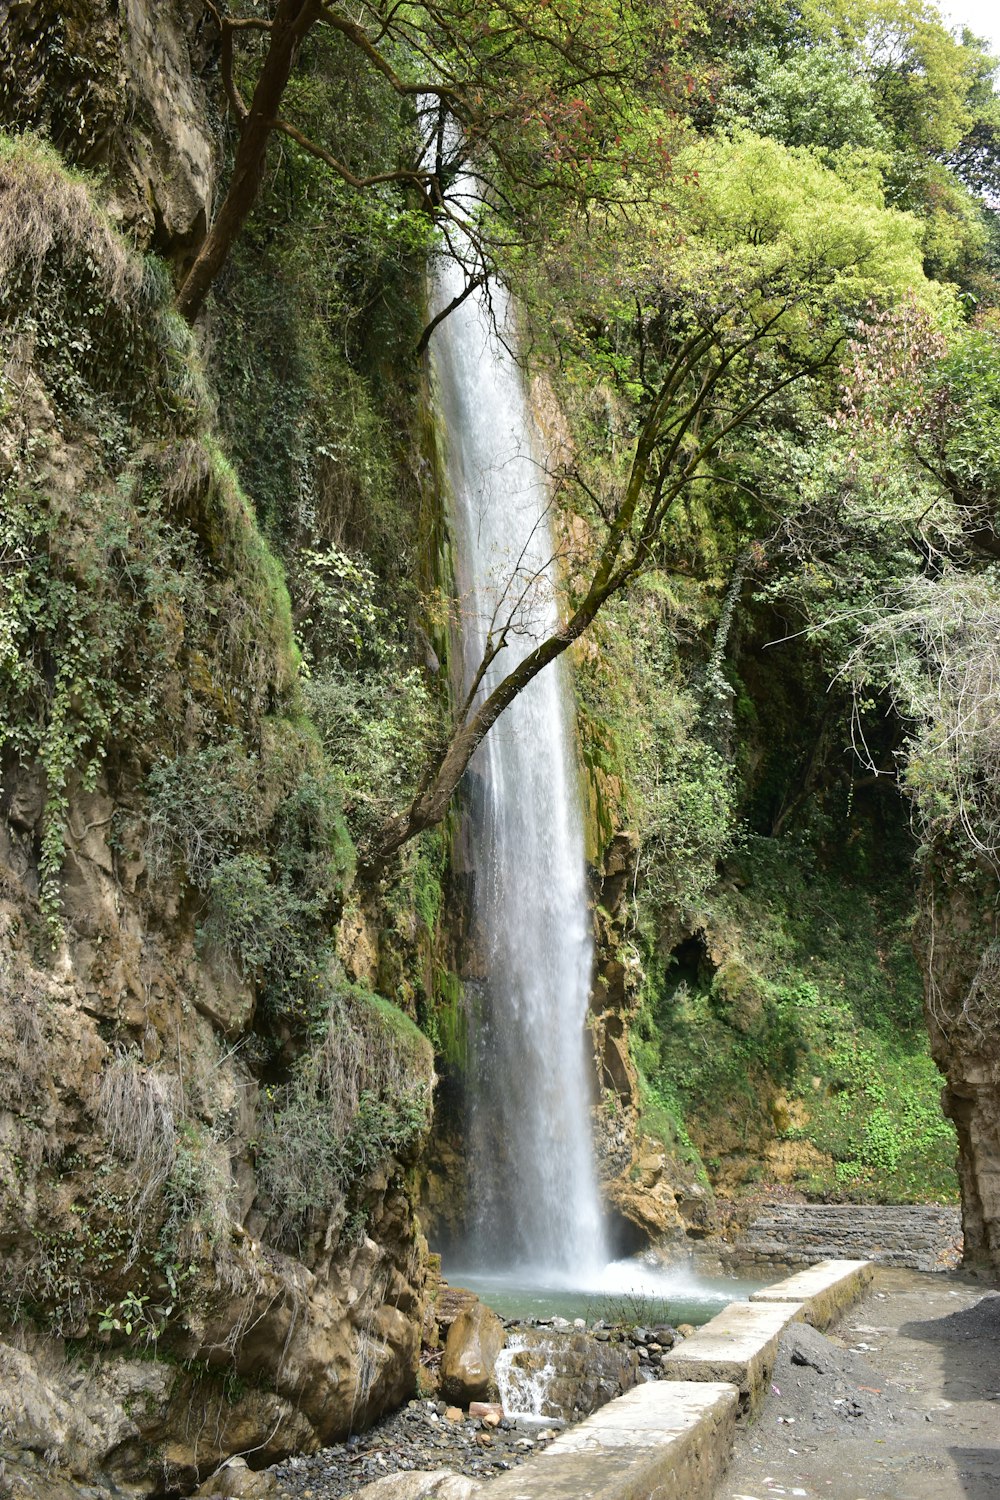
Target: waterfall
(532, 1181)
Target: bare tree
(715, 374)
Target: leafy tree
(929, 400)
(814, 97)
(889, 78)
(922, 78)
(702, 322)
(565, 99)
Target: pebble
(414, 1438)
(433, 1435)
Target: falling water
(532, 1182)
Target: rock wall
(125, 1074)
(159, 1307)
(129, 89)
(925, 1237)
(958, 943)
(652, 1197)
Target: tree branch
(435, 322)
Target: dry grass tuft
(137, 1111)
(362, 1095)
(45, 210)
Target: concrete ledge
(739, 1345)
(671, 1438)
(824, 1290)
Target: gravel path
(900, 1402)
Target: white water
(522, 1392)
(532, 1173)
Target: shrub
(201, 806)
(361, 1096)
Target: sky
(981, 17)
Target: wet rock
(554, 1374)
(474, 1340)
(485, 1409)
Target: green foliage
(661, 1115)
(792, 220)
(202, 805)
(127, 599)
(79, 302)
(888, 78)
(811, 98)
(338, 606)
(451, 1021)
(62, 719)
(923, 76)
(883, 1125)
(819, 1004)
(251, 918)
(640, 726)
(360, 1097)
(261, 837)
(377, 730)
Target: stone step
(738, 1345)
(668, 1438)
(824, 1289)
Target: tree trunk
(430, 805)
(293, 19)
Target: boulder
(474, 1340)
(439, 1484)
(235, 1480)
(564, 1375)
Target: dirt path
(900, 1402)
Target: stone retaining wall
(920, 1237)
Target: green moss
(818, 1004)
(452, 1021)
(661, 1116)
(397, 1023)
(427, 873)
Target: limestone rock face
(133, 1215)
(474, 1340)
(957, 946)
(130, 87)
(302, 1351)
(656, 1196)
(645, 1195)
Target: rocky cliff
(207, 1229)
(960, 958)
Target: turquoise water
(627, 1291)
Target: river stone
(470, 1354)
(570, 1375)
(235, 1480)
(440, 1484)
